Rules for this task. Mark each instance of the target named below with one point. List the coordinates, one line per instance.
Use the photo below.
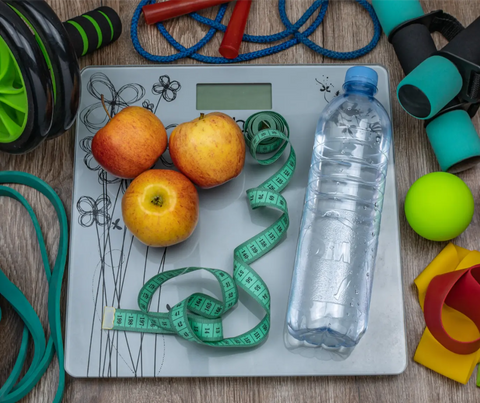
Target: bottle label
(338, 251)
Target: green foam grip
(455, 141)
(392, 13)
(429, 87)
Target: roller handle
(94, 30)
(236, 27)
(166, 10)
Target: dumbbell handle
(412, 43)
(93, 30)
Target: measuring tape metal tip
(108, 318)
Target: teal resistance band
(14, 389)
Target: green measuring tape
(14, 389)
(199, 317)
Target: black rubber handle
(94, 30)
(413, 44)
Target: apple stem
(202, 115)
(105, 107)
(157, 201)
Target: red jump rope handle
(236, 27)
(166, 10)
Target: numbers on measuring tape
(198, 318)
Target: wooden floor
(346, 27)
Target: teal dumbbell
(441, 87)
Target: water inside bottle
(334, 265)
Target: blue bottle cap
(362, 74)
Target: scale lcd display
(224, 97)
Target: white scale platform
(108, 266)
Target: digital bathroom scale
(108, 266)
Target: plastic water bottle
(337, 245)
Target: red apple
(130, 143)
(209, 150)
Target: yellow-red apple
(130, 143)
(160, 207)
(209, 150)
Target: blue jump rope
(291, 30)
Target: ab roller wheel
(39, 72)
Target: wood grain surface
(346, 27)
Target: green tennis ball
(439, 206)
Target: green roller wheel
(13, 97)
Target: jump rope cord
(291, 30)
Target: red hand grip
(235, 30)
(460, 290)
(166, 10)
